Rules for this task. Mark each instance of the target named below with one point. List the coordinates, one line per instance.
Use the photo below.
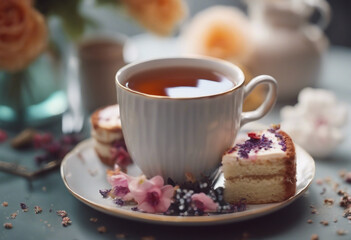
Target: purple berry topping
(254, 144)
(281, 141)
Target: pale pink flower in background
(151, 195)
(316, 122)
(204, 202)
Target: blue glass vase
(32, 96)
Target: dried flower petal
(66, 221)
(120, 235)
(314, 237)
(328, 201)
(3, 136)
(325, 223)
(341, 232)
(24, 207)
(345, 201)
(105, 192)
(102, 229)
(42, 139)
(37, 209)
(8, 225)
(347, 177)
(61, 213)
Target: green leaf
(67, 11)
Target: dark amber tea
(179, 82)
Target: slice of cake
(261, 168)
(106, 131)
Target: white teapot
(286, 45)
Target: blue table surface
(287, 223)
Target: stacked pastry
(107, 134)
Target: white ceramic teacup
(173, 136)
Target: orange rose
(23, 34)
(219, 31)
(159, 16)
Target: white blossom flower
(316, 121)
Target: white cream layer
(275, 152)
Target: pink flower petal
(157, 181)
(128, 197)
(144, 206)
(138, 187)
(167, 191)
(204, 202)
(118, 180)
(163, 205)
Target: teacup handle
(324, 9)
(268, 103)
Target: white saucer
(84, 175)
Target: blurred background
(337, 31)
(63, 57)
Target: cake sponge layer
(259, 189)
(235, 168)
(106, 136)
